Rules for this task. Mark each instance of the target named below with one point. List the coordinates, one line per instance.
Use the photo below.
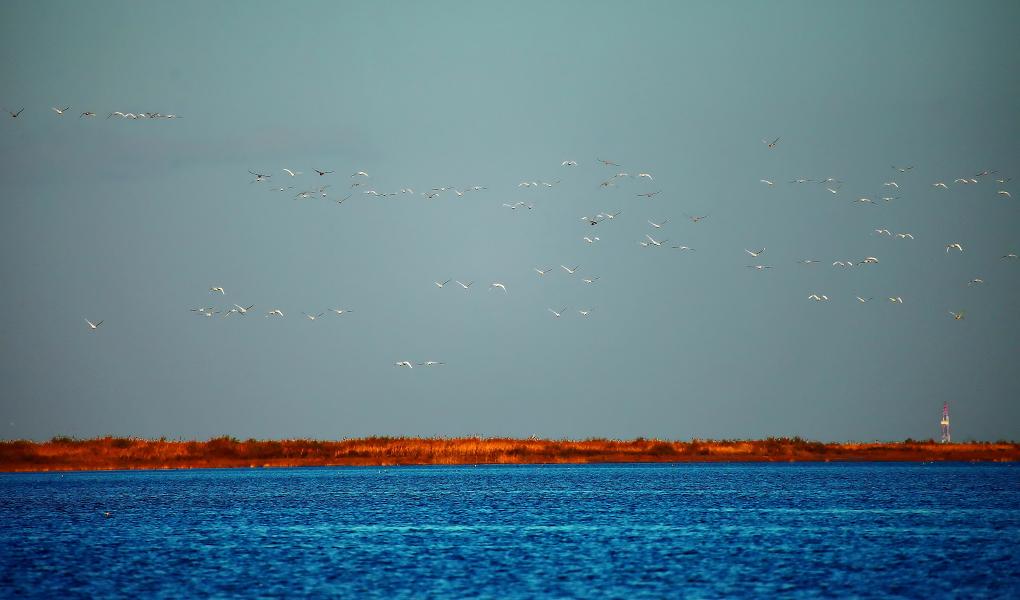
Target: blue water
(707, 530)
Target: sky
(132, 221)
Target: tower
(945, 423)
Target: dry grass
(133, 453)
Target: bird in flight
(649, 194)
(14, 115)
(755, 253)
(558, 314)
(291, 173)
(321, 173)
(771, 144)
(647, 176)
(591, 239)
(817, 298)
(404, 363)
(430, 363)
(695, 218)
(871, 260)
(60, 111)
(759, 267)
(569, 270)
(242, 310)
(653, 242)
(358, 174)
(464, 285)
(312, 317)
(957, 315)
(568, 163)
(883, 232)
(1010, 255)
(896, 300)
(276, 312)
(682, 248)
(807, 261)
(902, 169)
(440, 285)
(767, 182)
(340, 311)
(590, 280)
(584, 312)
(862, 300)
(218, 289)
(259, 177)
(87, 114)
(497, 284)
(954, 245)
(1004, 193)
(975, 281)
(93, 326)
(905, 236)
(658, 225)
(607, 163)
(891, 184)
(542, 272)
(941, 184)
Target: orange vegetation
(132, 453)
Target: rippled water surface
(705, 530)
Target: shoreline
(122, 454)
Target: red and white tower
(945, 423)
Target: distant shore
(110, 453)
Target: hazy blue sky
(132, 221)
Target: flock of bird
(360, 181)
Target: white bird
(862, 300)
(591, 240)
(832, 190)
(890, 198)
(1004, 193)
(883, 232)
(430, 363)
(404, 363)
(767, 182)
(1010, 255)
(941, 184)
(464, 285)
(954, 245)
(653, 242)
(341, 311)
(440, 285)
(612, 216)
(840, 263)
(217, 289)
(658, 225)
(957, 315)
(590, 280)
(807, 261)
(584, 312)
(59, 111)
(905, 236)
(818, 298)
(696, 218)
(759, 267)
(93, 326)
(360, 174)
(646, 175)
(569, 270)
(771, 144)
(755, 253)
(242, 310)
(682, 248)
(558, 314)
(542, 271)
(649, 194)
(496, 284)
(865, 201)
(90, 114)
(291, 173)
(902, 169)
(568, 163)
(891, 184)
(896, 300)
(312, 317)
(871, 260)
(976, 281)
(276, 312)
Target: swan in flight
(836, 191)
(569, 270)
(891, 184)
(14, 115)
(696, 218)
(883, 232)
(767, 182)
(682, 248)
(871, 260)
(591, 240)
(358, 174)
(242, 310)
(276, 312)
(92, 326)
(60, 111)
(497, 284)
(759, 267)
(430, 363)
(817, 298)
(865, 201)
(321, 173)
(341, 311)
(807, 261)
(218, 289)
(312, 317)
(863, 300)
(756, 253)
(440, 285)
(558, 314)
(542, 272)
(464, 285)
(584, 312)
(903, 169)
(646, 175)
(653, 242)
(771, 144)
(607, 163)
(649, 194)
(1004, 193)
(259, 177)
(842, 263)
(905, 236)
(658, 225)
(1010, 255)
(291, 173)
(954, 245)
(896, 300)
(87, 113)
(404, 363)
(590, 280)
(957, 315)
(568, 163)
(941, 184)
(975, 281)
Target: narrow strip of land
(66, 454)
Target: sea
(759, 530)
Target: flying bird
(496, 284)
(358, 174)
(430, 363)
(957, 315)
(14, 115)
(759, 267)
(863, 300)
(440, 285)
(218, 289)
(87, 114)
(771, 144)
(941, 184)
(404, 363)
(590, 279)
(321, 173)
(569, 270)
(542, 271)
(312, 317)
(896, 300)
(683, 248)
(607, 163)
(1004, 193)
(871, 260)
(755, 253)
(242, 310)
(568, 163)
(652, 241)
(807, 261)
(817, 298)
(291, 173)
(591, 240)
(341, 311)
(647, 176)
(883, 232)
(92, 326)
(905, 236)
(276, 312)
(649, 194)
(767, 182)
(658, 225)
(891, 184)
(954, 245)
(902, 169)
(59, 111)
(975, 281)
(558, 314)
(1010, 255)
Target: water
(692, 530)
